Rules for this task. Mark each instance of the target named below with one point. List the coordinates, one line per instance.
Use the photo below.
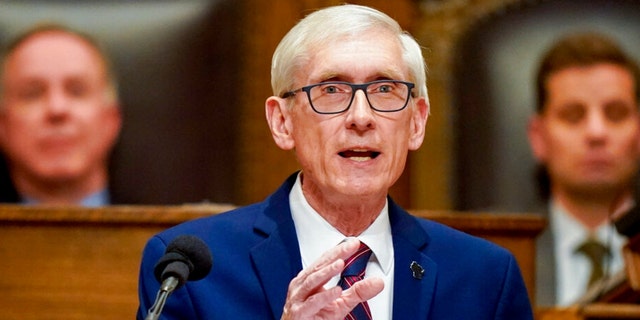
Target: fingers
(306, 296)
(345, 301)
(307, 299)
(311, 280)
(340, 252)
(323, 269)
(361, 291)
(312, 308)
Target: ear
(536, 135)
(638, 125)
(418, 123)
(278, 119)
(113, 123)
(3, 129)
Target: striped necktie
(352, 273)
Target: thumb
(362, 291)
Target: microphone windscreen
(188, 250)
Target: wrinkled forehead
(376, 52)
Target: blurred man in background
(586, 137)
(59, 118)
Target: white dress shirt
(573, 269)
(316, 236)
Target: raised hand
(307, 299)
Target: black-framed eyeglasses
(336, 96)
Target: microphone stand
(166, 289)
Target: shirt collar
(569, 233)
(96, 199)
(310, 227)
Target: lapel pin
(416, 270)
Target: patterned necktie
(595, 252)
(352, 273)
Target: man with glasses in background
(350, 98)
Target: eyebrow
(384, 74)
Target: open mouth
(359, 155)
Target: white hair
(325, 25)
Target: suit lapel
(545, 269)
(272, 262)
(412, 296)
(277, 258)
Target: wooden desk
(593, 311)
(82, 263)
(77, 263)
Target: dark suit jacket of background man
(9, 195)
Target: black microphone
(186, 258)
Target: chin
(60, 173)
(362, 189)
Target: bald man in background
(59, 118)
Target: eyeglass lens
(336, 97)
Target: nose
(597, 125)
(57, 102)
(360, 114)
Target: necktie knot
(355, 265)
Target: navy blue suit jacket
(255, 256)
